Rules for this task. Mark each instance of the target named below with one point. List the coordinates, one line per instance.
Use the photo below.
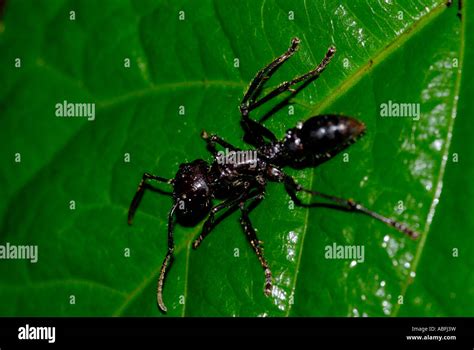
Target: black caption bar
(450, 333)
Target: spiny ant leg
(255, 243)
(255, 132)
(208, 225)
(167, 261)
(264, 74)
(230, 203)
(350, 205)
(141, 190)
(286, 86)
(213, 139)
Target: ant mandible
(241, 184)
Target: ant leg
(167, 261)
(255, 243)
(348, 204)
(255, 132)
(286, 86)
(264, 74)
(211, 141)
(208, 225)
(230, 204)
(140, 191)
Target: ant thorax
(237, 158)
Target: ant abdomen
(319, 138)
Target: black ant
(242, 181)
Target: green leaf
(385, 51)
(444, 283)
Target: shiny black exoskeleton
(238, 177)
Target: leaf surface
(386, 52)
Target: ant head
(320, 138)
(192, 192)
